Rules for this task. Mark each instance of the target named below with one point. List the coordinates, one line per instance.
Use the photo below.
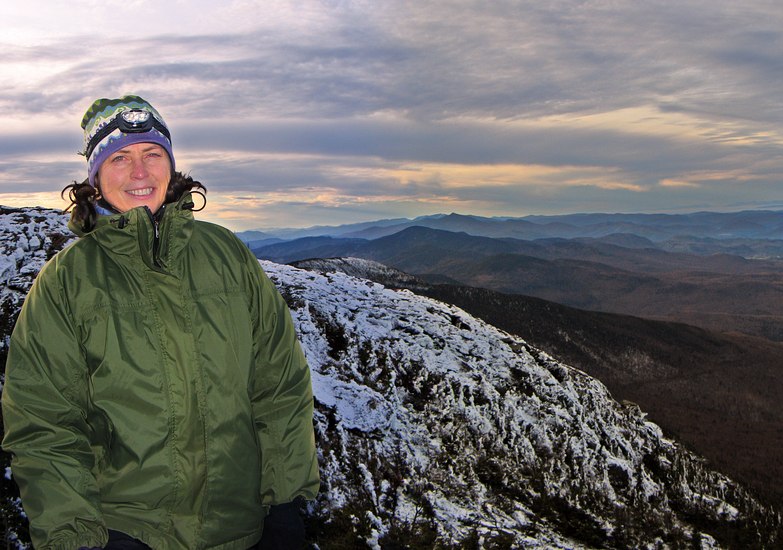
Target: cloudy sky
(324, 112)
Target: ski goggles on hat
(131, 121)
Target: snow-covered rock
(436, 426)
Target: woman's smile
(146, 191)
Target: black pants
(121, 541)
(283, 530)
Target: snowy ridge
(451, 429)
(28, 237)
(363, 269)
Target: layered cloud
(329, 112)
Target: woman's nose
(138, 169)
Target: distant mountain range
(701, 232)
(717, 271)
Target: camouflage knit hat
(111, 124)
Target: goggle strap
(113, 125)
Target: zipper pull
(155, 234)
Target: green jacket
(155, 386)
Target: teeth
(140, 192)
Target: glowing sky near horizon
(326, 112)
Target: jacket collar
(158, 239)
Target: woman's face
(136, 175)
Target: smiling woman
(154, 319)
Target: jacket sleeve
(282, 398)
(44, 402)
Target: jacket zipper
(155, 234)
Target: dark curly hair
(84, 197)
